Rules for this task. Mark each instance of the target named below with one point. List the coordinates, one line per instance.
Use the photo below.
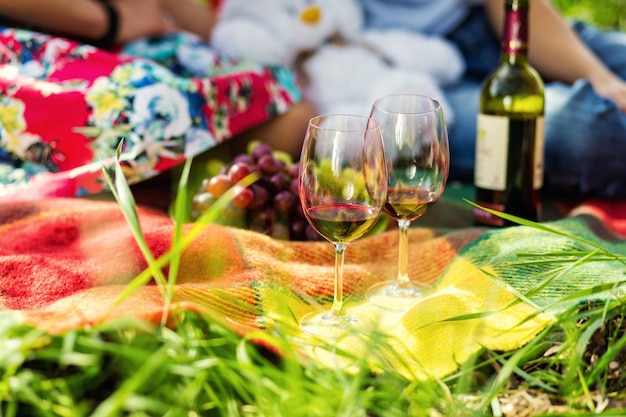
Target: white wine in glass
(342, 183)
(418, 161)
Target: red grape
(261, 196)
(279, 181)
(259, 217)
(293, 171)
(293, 186)
(283, 201)
(270, 215)
(311, 234)
(282, 165)
(260, 150)
(244, 158)
(219, 184)
(297, 209)
(243, 197)
(202, 201)
(238, 171)
(298, 228)
(268, 164)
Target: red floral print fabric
(65, 107)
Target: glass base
(326, 325)
(394, 295)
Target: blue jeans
(585, 133)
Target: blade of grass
(541, 226)
(123, 195)
(577, 351)
(180, 217)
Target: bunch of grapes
(270, 205)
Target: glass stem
(403, 258)
(340, 250)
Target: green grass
(202, 368)
(603, 13)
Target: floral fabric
(65, 107)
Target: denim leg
(585, 142)
(585, 133)
(463, 97)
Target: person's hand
(140, 18)
(610, 86)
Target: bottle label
(492, 147)
(493, 140)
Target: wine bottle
(508, 173)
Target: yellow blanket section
(465, 312)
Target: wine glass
(418, 159)
(342, 184)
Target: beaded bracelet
(107, 41)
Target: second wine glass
(342, 188)
(418, 160)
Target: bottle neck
(515, 35)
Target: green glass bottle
(508, 173)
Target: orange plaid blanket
(65, 263)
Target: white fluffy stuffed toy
(343, 76)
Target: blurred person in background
(583, 68)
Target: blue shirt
(431, 17)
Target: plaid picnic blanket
(64, 263)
